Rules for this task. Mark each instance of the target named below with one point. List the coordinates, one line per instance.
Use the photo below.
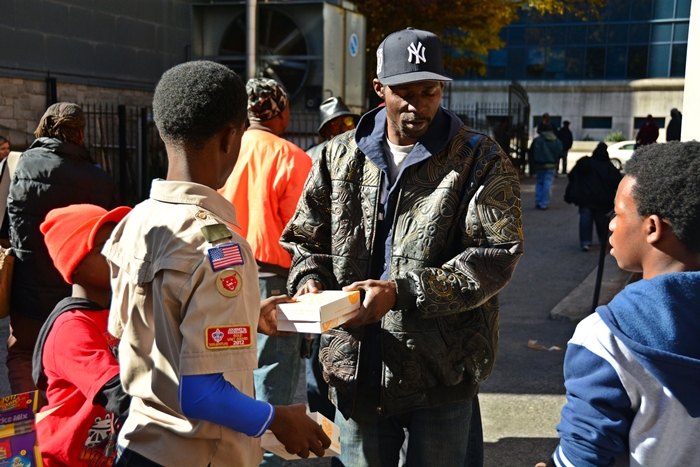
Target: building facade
(604, 74)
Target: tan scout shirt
(173, 319)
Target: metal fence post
(121, 112)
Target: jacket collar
(68, 150)
(177, 192)
(372, 128)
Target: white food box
(316, 312)
(270, 443)
(313, 327)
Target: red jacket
(264, 187)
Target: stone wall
(23, 102)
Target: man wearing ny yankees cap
(421, 214)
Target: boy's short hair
(668, 184)
(69, 233)
(194, 101)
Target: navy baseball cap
(410, 55)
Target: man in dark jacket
(673, 130)
(56, 171)
(423, 215)
(544, 155)
(567, 140)
(592, 186)
(648, 133)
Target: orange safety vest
(264, 187)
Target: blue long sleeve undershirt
(212, 398)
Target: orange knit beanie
(69, 233)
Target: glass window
(639, 121)
(576, 35)
(678, 54)
(516, 63)
(574, 62)
(534, 36)
(535, 62)
(596, 34)
(557, 36)
(516, 36)
(556, 63)
(616, 62)
(617, 34)
(682, 8)
(663, 9)
(680, 32)
(595, 62)
(661, 32)
(639, 33)
(618, 10)
(641, 9)
(637, 57)
(496, 68)
(659, 56)
(594, 123)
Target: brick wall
(23, 102)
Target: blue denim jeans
(543, 187)
(449, 435)
(128, 458)
(278, 362)
(316, 386)
(586, 219)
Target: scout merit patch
(228, 337)
(229, 283)
(225, 256)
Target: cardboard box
(17, 431)
(320, 307)
(313, 327)
(270, 442)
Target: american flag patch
(225, 256)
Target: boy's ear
(655, 228)
(228, 138)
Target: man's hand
(298, 432)
(267, 324)
(380, 297)
(310, 286)
(545, 464)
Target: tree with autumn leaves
(470, 27)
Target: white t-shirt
(398, 154)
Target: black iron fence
(124, 142)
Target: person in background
(4, 147)
(545, 125)
(75, 358)
(336, 119)
(592, 186)
(632, 369)
(186, 302)
(56, 171)
(567, 140)
(673, 130)
(648, 133)
(545, 152)
(264, 187)
(422, 214)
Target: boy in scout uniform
(186, 302)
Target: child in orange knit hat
(75, 357)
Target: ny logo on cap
(418, 52)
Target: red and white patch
(229, 283)
(230, 336)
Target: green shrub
(615, 137)
(588, 138)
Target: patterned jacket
(453, 244)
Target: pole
(251, 38)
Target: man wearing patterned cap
(423, 214)
(56, 171)
(265, 186)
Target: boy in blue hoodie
(632, 368)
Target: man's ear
(228, 136)
(378, 88)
